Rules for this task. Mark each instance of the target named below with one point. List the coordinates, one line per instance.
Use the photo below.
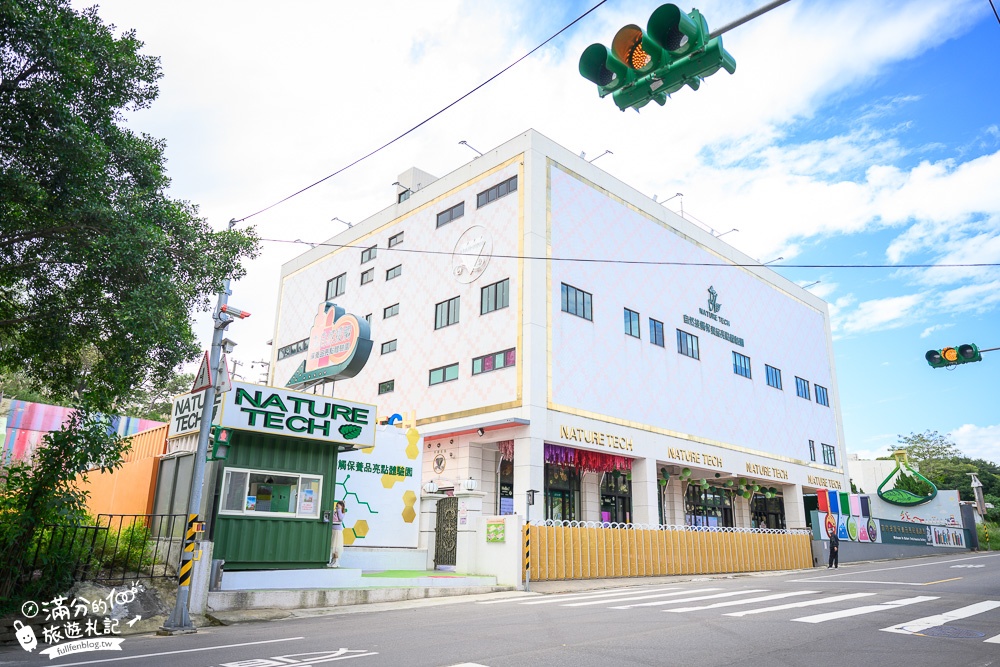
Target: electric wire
(995, 11)
(642, 262)
(429, 118)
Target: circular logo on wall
(439, 463)
(472, 254)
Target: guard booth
(275, 486)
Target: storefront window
(708, 507)
(263, 493)
(616, 498)
(768, 512)
(505, 485)
(562, 493)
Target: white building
(529, 306)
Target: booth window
(262, 493)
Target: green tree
(99, 268)
(939, 460)
(154, 401)
(912, 484)
(42, 492)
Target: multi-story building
(556, 330)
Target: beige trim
(474, 412)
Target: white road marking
(733, 603)
(549, 600)
(921, 624)
(886, 569)
(187, 650)
(520, 598)
(642, 597)
(992, 640)
(793, 605)
(693, 599)
(858, 611)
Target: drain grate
(952, 632)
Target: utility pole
(179, 621)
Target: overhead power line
(593, 260)
(429, 118)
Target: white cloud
(978, 442)
(937, 327)
(879, 314)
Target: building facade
(556, 330)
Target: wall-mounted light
(481, 432)
(466, 144)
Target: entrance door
(446, 532)
(559, 506)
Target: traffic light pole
(179, 621)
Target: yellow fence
(595, 551)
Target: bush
(132, 551)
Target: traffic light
(220, 438)
(674, 51)
(952, 356)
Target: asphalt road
(927, 611)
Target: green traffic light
(641, 67)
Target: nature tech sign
(274, 411)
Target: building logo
(339, 346)
(472, 254)
(713, 305)
(439, 463)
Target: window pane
(308, 500)
(235, 491)
(510, 360)
(436, 375)
(451, 372)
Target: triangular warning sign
(225, 381)
(203, 379)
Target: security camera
(227, 345)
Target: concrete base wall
(372, 558)
(853, 552)
(285, 579)
(308, 599)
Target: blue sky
(852, 132)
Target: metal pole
(527, 550)
(179, 621)
(749, 17)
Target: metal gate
(446, 532)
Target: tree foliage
(99, 268)
(155, 400)
(43, 491)
(940, 461)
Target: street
(914, 612)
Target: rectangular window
(687, 344)
(394, 272)
(494, 297)
(493, 362)
(391, 311)
(577, 302)
(295, 348)
(336, 286)
(453, 213)
(264, 493)
(389, 346)
(367, 276)
(368, 254)
(829, 455)
(802, 388)
(656, 332)
(773, 377)
(368, 318)
(395, 240)
(741, 364)
(496, 192)
(446, 313)
(444, 374)
(386, 387)
(403, 196)
(812, 450)
(822, 397)
(632, 323)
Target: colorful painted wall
(27, 423)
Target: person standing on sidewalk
(834, 551)
(337, 539)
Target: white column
(645, 492)
(795, 509)
(741, 512)
(590, 496)
(428, 524)
(529, 473)
(470, 512)
(674, 511)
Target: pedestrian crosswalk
(678, 599)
